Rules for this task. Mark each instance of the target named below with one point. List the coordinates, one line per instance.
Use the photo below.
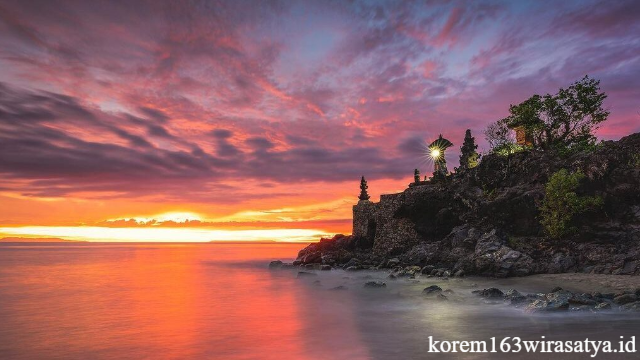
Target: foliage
(499, 135)
(560, 120)
(635, 161)
(469, 157)
(363, 189)
(562, 204)
(587, 145)
(508, 149)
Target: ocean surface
(219, 301)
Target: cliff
(486, 220)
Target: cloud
(192, 101)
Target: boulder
(432, 290)
(276, 264)
(393, 262)
(491, 293)
(625, 299)
(375, 284)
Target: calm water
(159, 301)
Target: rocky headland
(486, 221)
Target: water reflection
(219, 301)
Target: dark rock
(276, 264)
(287, 265)
(297, 262)
(625, 299)
(459, 273)
(634, 306)
(431, 290)
(392, 277)
(375, 284)
(427, 270)
(393, 262)
(489, 293)
(325, 267)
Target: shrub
(561, 203)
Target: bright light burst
(435, 153)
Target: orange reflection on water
(163, 301)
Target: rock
(542, 305)
(392, 277)
(351, 263)
(309, 266)
(555, 289)
(352, 268)
(582, 299)
(432, 290)
(375, 284)
(297, 262)
(427, 269)
(305, 274)
(514, 297)
(287, 266)
(459, 273)
(603, 306)
(393, 262)
(441, 297)
(625, 299)
(634, 306)
(412, 270)
(276, 264)
(325, 267)
(491, 293)
(446, 273)
(312, 258)
(339, 287)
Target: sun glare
(154, 234)
(435, 153)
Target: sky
(254, 120)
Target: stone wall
(378, 222)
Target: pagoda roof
(441, 143)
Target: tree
(564, 119)
(363, 189)
(562, 204)
(468, 155)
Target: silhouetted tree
(468, 155)
(363, 190)
(564, 119)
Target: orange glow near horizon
(323, 212)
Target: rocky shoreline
(607, 297)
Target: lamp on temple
(436, 151)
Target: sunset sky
(254, 120)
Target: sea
(221, 301)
